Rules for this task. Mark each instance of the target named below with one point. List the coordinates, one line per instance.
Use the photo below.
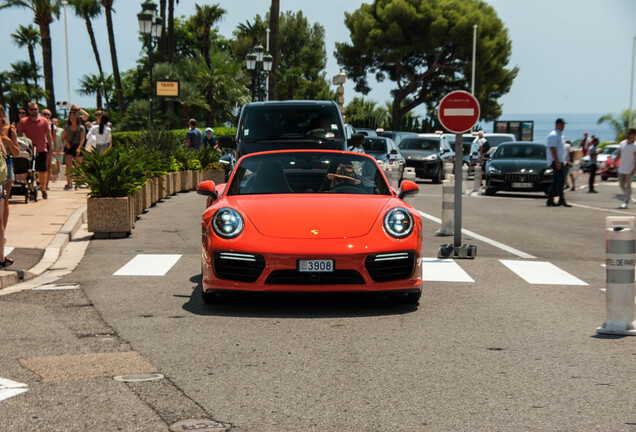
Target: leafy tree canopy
(425, 47)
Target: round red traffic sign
(458, 111)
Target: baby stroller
(24, 169)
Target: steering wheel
(346, 188)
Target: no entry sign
(458, 111)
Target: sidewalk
(37, 232)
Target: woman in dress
(73, 137)
(101, 134)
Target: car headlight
(227, 223)
(398, 222)
(431, 157)
(493, 170)
(549, 171)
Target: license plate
(519, 185)
(316, 265)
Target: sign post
(458, 112)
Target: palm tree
(89, 10)
(619, 123)
(23, 71)
(43, 11)
(28, 37)
(190, 97)
(274, 13)
(205, 18)
(119, 91)
(96, 84)
(170, 32)
(5, 85)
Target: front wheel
(440, 175)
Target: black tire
(604, 178)
(490, 191)
(35, 194)
(440, 175)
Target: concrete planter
(139, 202)
(197, 177)
(176, 182)
(163, 187)
(147, 194)
(170, 184)
(154, 190)
(110, 217)
(218, 177)
(186, 181)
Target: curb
(51, 253)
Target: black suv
(277, 125)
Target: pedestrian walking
(194, 137)
(74, 136)
(51, 154)
(9, 138)
(556, 160)
(627, 169)
(593, 152)
(21, 114)
(38, 130)
(58, 153)
(101, 134)
(569, 159)
(209, 140)
(585, 144)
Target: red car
(310, 221)
(609, 168)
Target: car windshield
(467, 148)
(308, 173)
(609, 150)
(426, 144)
(524, 151)
(282, 122)
(375, 145)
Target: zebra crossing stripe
(542, 273)
(443, 270)
(148, 265)
(10, 388)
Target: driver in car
(344, 174)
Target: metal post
(631, 86)
(267, 77)
(68, 80)
(150, 86)
(458, 189)
(472, 81)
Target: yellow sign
(168, 88)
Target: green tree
(119, 92)
(301, 47)
(425, 47)
(365, 113)
(274, 26)
(619, 123)
(204, 18)
(88, 10)
(96, 84)
(28, 37)
(43, 12)
(190, 97)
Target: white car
(601, 157)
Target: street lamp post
(253, 59)
(150, 24)
(68, 80)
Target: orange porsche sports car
(309, 221)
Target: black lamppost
(253, 59)
(151, 25)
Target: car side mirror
(226, 141)
(407, 188)
(356, 140)
(207, 188)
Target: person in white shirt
(556, 160)
(627, 169)
(101, 134)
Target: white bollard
(448, 208)
(619, 295)
(465, 180)
(477, 181)
(448, 170)
(409, 174)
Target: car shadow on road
(297, 305)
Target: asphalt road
(497, 353)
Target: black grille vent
(293, 277)
(391, 266)
(519, 177)
(240, 267)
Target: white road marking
(10, 388)
(148, 265)
(542, 273)
(443, 270)
(55, 287)
(491, 242)
(8, 250)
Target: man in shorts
(37, 129)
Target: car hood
(516, 165)
(312, 216)
(416, 154)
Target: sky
(574, 56)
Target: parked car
(609, 168)
(385, 150)
(468, 148)
(367, 132)
(282, 225)
(427, 153)
(396, 136)
(601, 157)
(519, 166)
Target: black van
(292, 124)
